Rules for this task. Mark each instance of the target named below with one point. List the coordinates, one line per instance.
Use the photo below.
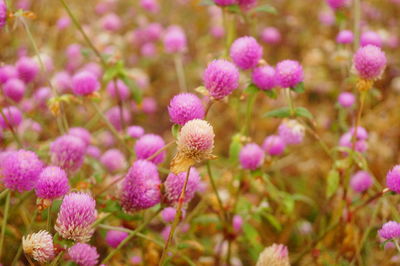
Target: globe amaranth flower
(93, 151)
(122, 92)
(20, 170)
(271, 35)
(275, 255)
(274, 145)
(150, 5)
(361, 181)
(27, 69)
(393, 179)
(168, 214)
(346, 99)
(264, 77)
(345, 37)
(370, 62)
(135, 131)
(41, 96)
(225, 2)
(7, 72)
(13, 117)
(220, 78)
(39, 246)
(3, 14)
(148, 145)
(390, 230)
(289, 73)
(174, 40)
(76, 215)
(111, 22)
(68, 152)
(149, 105)
(246, 52)
(114, 237)
(62, 81)
(237, 223)
(83, 254)
(84, 83)
(185, 107)
(251, 156)
(113, 160)
(291, 132)
(370, 38)
(337, 4)
(14, 89)
(247, 4)
(141, 187)
(361, 144)
(114, 116)
(81, 133)
(195, 143)
(175, 182)
(52, 183)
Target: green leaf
(251, 89)
(271, 93)
(265, 8)
(175, 130)
(332, 183)
(234, 148)
(303, 112)
(340, 17)
(278, 113)
(252, 237)
(272, 220)
(299, 88)
(206, 3)
(234, 9)
(288, 203)
(136, 92)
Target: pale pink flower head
(361, 181)
(135, 131)
(14, 89)
(390, 230)
(3, 14)
(149, 105)
(370, 62)
(361, 144)
(370, 38)
(113, 115)
(111, 22)
(289, 73)
(175, 40)
(62, 81)
(271, 35)
(122, 92)
(148, 145)
(274, 145)
(345, 37)
(168, 214)
(52, 183)
(246, 52)
(7, 72)
(81, 133)
(251, 156)
(63, 23)
(185, 107)
(68, 152)
(220, 78)
(337, 4)
(291, 132)
(113, 160)
(277, 254)
(39, 246)
(41, 96)
(114, 237)
(264, 77)
(237, 223)
(27, 69)
(174, 185)
(83, 254)
(346, 99)
(151, 6)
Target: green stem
(228, 257)
(396, 242)
(55, 261)
(249, 109)
(49, 217)
(4, 193)
(214, 187)
(102, 219)
(4, 224)
(180, 72)
(290, 101)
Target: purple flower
(27, 69)
(168, 214)
(291, 132)
(336, 4)
(41, 96)
(81, 133)
(370, 62)
(113, 115)
(150, 5)
(68, 152)
(246, 52)
(7, 72)
(113, 160)
(274, 145)
(175, 40)
(264, 77)
(390, 230)
(141, 187)
(251, 156)
(83, 254)
(271, 35)
(76, 216)
(13, 117)
(111, 22)
(185, 107)
(3, 14)
(289, 73)
(361, 144)
(370, 38)
(149, 144)
(345, 37)
(393, 179)
(20, 170)
(346, 99)
(225, 2)
(149, 105)
(237, 223)
(52, 183)
(174, 185)
(135, 131)
(14, 89)
(63, 23)
(84, 83)
(114, 237)
(220, 78)
(62, 81)
(93, 151)
(361, 181)
(122, 92)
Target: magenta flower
(271, 35)
(370, 62)
(122, 92)
(68, 152)
(150, 5)
(111, 22)
(52, 183)
(149, 144)
(113, 160)
(114, 237)
(251, 156)
(27, 69)
(175, 40)
(361, 181)
(393, 179)
(76, 216)
(141, 187)
(345, 37)
(390, 230)
(14, 89)
(3, 14)
(7, 72)
(264, 77)
(246, 52)
(237, 223)
(84, 83)
(291, 132)
(135, 131)
(289, 73)
(225, 2)
(221, 78)
(274, 145)
(185, 107)
(81, 133)
(346, 99)
(113, 115)
(62, 81)
(168, 214)
(370, 38)
(93, 151)
(174, 185)
(83, 254)
(41, 96)
(346, 141)
(13, 117)
(336, 4)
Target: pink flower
(246, 52)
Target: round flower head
(111, 22)
(150, 5)
(174, 185)
(27, 69)
(52, 183)
(93, 151)
(20, 170)
(63, 23)
(289, 73)
(113, 115)
(185, 107)
(264, 77)
(83, 254)
(153, 32)
(393, 179)
(370, 62)
(39, 246)
(346, 141)
(84, 83)
(291, 132)
(361, 181)
(149, 144)
(195, 144)
(3, 14)
(14, 89)
(122, 92)
(336, 4)
(113, 160)
(221, 78)
(168, 214)
(274, 145)
(237, 223)
(175, 40)
(76, 216)
(370, 38)
(62, 81)
(7, 72)
(81, 133)
(141, 187)
(149, 105)
(390, 230)
(41, 96)
(114, 237)
(148, 49)
(135, 131)
(68, 152)
(251, 156)
(246, 52)
(345, 37)
(13, 117)
(271, 35)
(346, 99)
(225, 2)
(275, 255)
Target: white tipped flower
(275, 255)
(39, 246)
(195, 144)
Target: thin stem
(4, 224)
(55, 261)
(208, 107)
(49, 217)
(214, 187)
(371, 199)
(120, 104)
(115, 228)
(4, 193)
(358, 119)
(228, 257)
(176, 220)
(102, 219)
(396, 242)
(290, 101)
(178, 60)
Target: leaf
(299, 88)
(288, 203)
(175, 130)
(272, 220)
(136, 92)
(340, 17)
(278, 113)
(251, 89)
(265, 8)
(332, 183)
(271, 93)
(206, 3)
(234, 148)
(303, 112)
(234, 9)
(253, 238)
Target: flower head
(113, 115)
(14, 89)
(291, 131)
(27, 69)
(175, 182)
(68, 152)
(264, 77)
(148, 145)
(390, 230)
(3, 14)
(289, 73)
(135, 131)
(237, 223)
(52, 183)
(361, 181)
(393, 179)
(114, 237)
(346, 99)
(121, 92)
(185, 107)
(13, 117)
(275, 255)
(113, 160)
(168, 214)
(175, 40)
(84, 83)
(7, 72)
(39, 246)
(271, 35)
(251, 156)
(345, 37)
(370, 62)
(225, 2)
(76, 216)
(246, 52)
(336, 4)
(274, 145)
(361, 144)
(111, 22)
(370, 38)
(83, 254)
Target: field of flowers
(199, 132)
